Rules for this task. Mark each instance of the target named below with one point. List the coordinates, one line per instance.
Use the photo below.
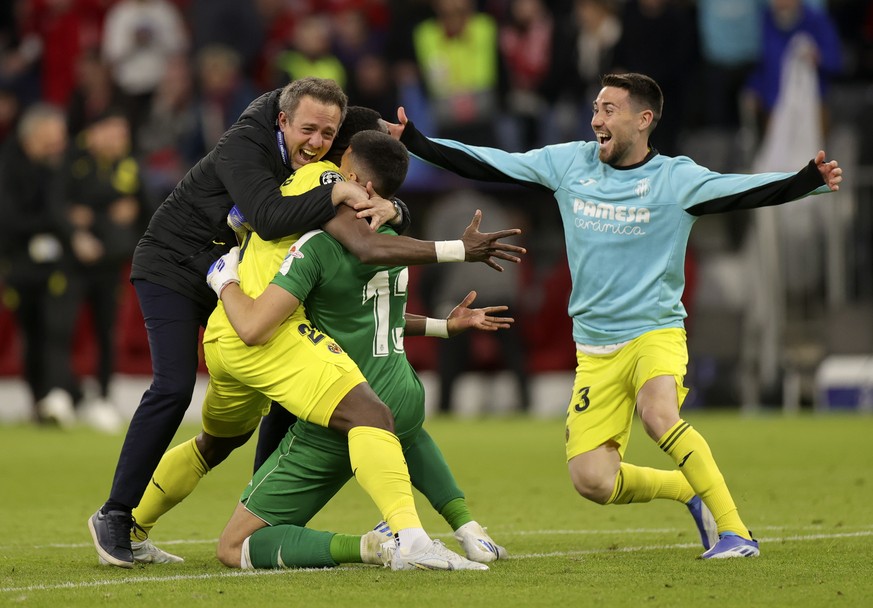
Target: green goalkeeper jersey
(362, 308)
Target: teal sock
(290, 546)
(345, 549)
(456, 513)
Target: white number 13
(380, 291)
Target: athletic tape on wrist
(225, 284)
(450, 251)
(437, 328)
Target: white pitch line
(503, 533)
(239, 573)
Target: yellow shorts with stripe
(300, 368)
(605, 390)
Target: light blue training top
(626, 229)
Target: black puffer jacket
(27, 209)
(189, 230)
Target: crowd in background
(138, 90)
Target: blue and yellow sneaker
(705, 522)
(731, 545)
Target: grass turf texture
(804, 485)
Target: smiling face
(310, 131)
(620, 128)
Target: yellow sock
(378, 464)
(643, 484)
(691, 453)
(178, 473)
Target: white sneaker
(477, 545)
(57, 407)
(101, 415)
(376, 549)
(145, 552)
(434, 556)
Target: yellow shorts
(606, 386)
(300, 368)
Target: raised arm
(718, 193)
(535, 169)
(255, 190)
(386, 250)
(246, 170)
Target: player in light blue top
(627, 213)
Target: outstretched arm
(478, 162)
(386, 250)
(459, 320)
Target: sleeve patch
(331, 177)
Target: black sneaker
(111, 534)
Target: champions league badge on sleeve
(331, 177)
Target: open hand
(483, 246)
(463, 317)
(378, 209)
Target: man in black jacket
(35, 264)
(187, 233)
(279, 133)
(36, 260)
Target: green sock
(288, 546)
(456, 513)
(345, 549)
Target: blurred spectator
(278, 19)
(457, 57)
(223, 94)
(359, 45)
(783, 21)
(170, 141)
(139, 37)
(354, 37)
(526, 47)
(582, 52)
(228, 23)
(35, 261)
(100, 187)
(372, 86)
(93, 94)
(52, 34)
(376, 12)
(447, 284)
(9, 110)
(658, 39)
(730, 44)
(310, 53)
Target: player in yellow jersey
(309, 374)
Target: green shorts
(295, 482)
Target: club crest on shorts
(334, 347)
(331, 177)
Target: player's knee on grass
(361, 407)
(228, 550)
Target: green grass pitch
(803, 484)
